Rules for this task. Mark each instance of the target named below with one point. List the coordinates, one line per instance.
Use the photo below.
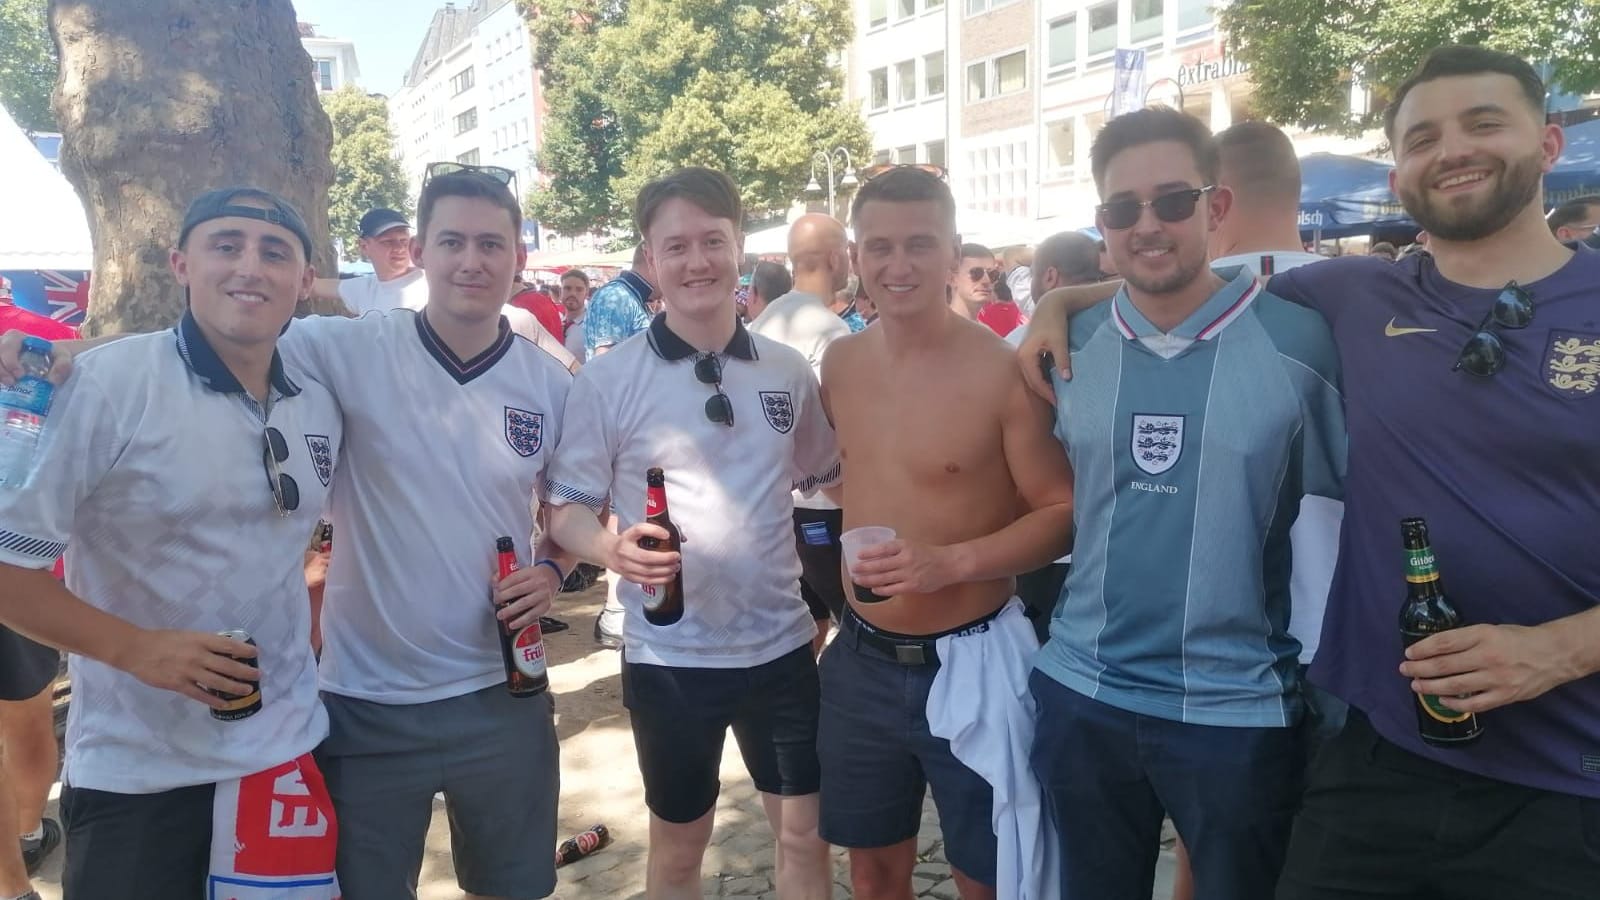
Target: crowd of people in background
(1134, 503)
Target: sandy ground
(600, 783)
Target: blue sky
(386, 33)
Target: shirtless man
(928, 686)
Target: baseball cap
(219, 204)
(377, 221)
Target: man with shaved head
(804, 319)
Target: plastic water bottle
(23, 407)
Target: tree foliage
(1303, 54)
(634, 93)
(366, 172)
(27, 63)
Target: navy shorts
(878, 757)
(681, 718)
(1108, 774)
(26, 668)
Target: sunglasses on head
(978, 273)
(877, 169)
(497, 173)
(1175, 206)
(708, 370)
(275, 451)
(1485, 353)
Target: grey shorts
(495, 759)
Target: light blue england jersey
(1192, 450)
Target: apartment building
(1026, 86)
(471, 94)
(333, 60)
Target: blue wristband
(560, 578)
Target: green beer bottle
(1428, 611)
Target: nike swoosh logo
(1391, 330)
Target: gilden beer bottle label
(1439, 712)
(527, 651)
(1421, 567)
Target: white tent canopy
(44, 226)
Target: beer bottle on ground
(1428, 611)
(522, 650)
(663, 603)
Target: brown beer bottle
(663, 603)
(522, 651)
(1428, 611)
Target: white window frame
(989, 6)
(1180, 34)
(1161, 32)
(944, 74)
(1090, 59)
(888, 100)
(1078, 36)
(1047, 173)
(991, 76)
(897, 101)
(888, 10)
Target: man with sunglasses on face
(1202, 410)
(182, 471)
(1451, 371)
(975, 298)
(735, 421)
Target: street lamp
(826, 159)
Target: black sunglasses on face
(1176, 206)
(1485, 353)
(977, 274)
(274, 450)
(708, 370)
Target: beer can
(238, 706)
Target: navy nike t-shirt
(1506, 470)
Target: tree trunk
(161, 100)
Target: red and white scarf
(273, 836)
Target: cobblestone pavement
(600, 783)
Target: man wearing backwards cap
(396, 281)
(184, 470)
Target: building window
(932, 4)
(322, 71)
(469, 158)
(934, 150)
(906, 155)
(461, 81)
(977, 81)
(933, 75)
(882, 157)
(906, 8)
(1102, 28)
(467, 121)
(1063, 43)
(1147, 20)
(1059, 147)
(905, 81)
(1011, 73)
(877, 13)
(879, 98)
(1193, 14)
(974, 7)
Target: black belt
(905, 649)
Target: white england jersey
(368, 294)
(150, 473)
(728, 489)
(442, 456)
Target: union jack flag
(63, 296)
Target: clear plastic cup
(853, 542)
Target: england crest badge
(321, 456)
(524, 431)
(779, 410)
(1157, 442)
